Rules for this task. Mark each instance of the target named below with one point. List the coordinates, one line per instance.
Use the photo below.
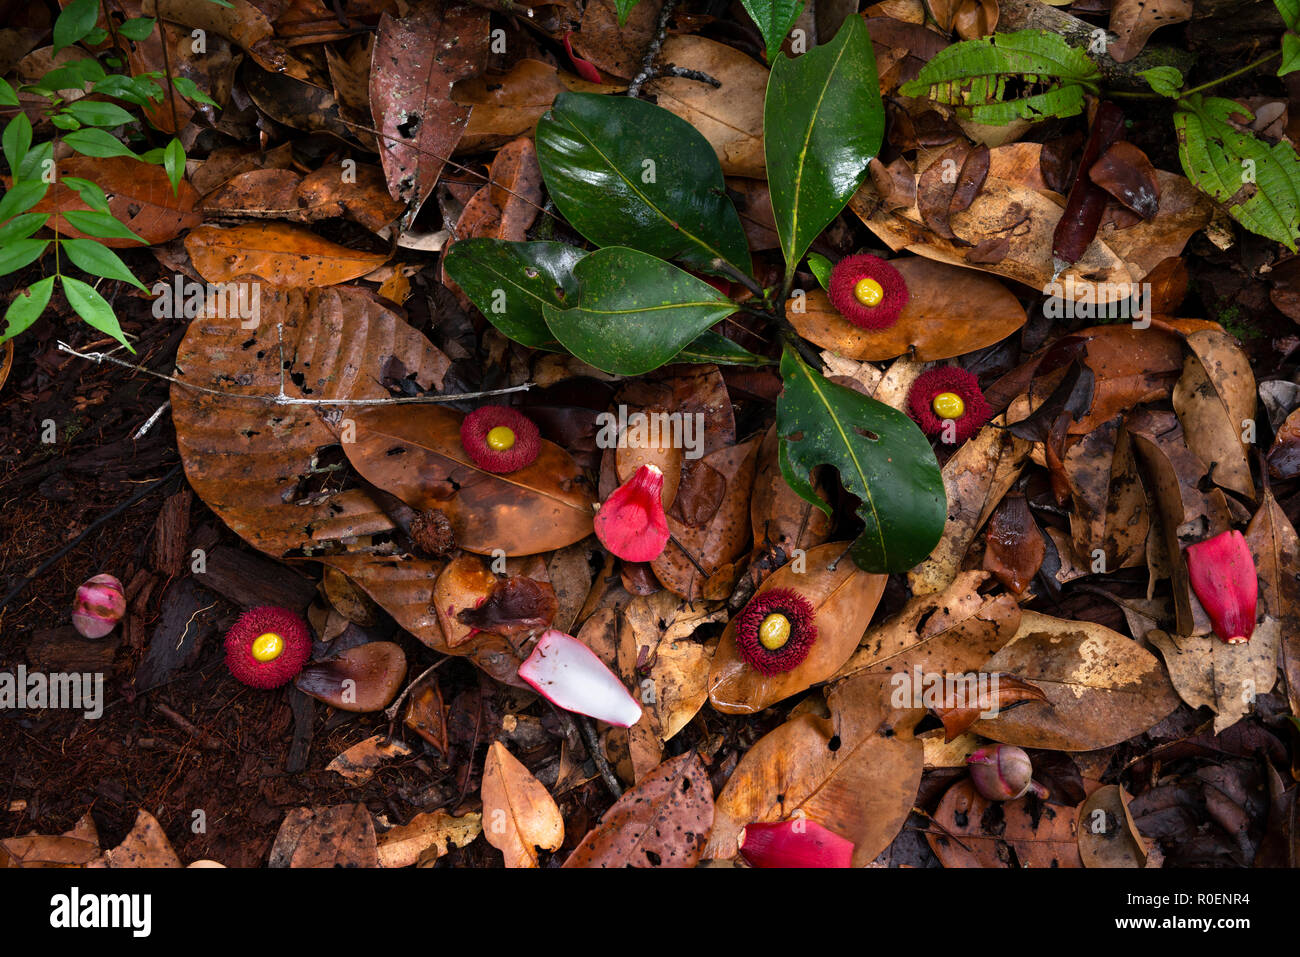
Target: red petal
(1223, 575)
(797, 843)
(585, 69)
(631, 523)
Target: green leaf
(26, 307)
(882, 458)
(64, 122)
(74, 22)
(511, 282)
(96, 113)
(22, 226)
(7, 95)
(102, 225)
(98, 260)
(95, 37)
(625, 172)
(96, 143)
(1258, 184)
(22, 197)
(137, 28)
(774, 18)
(91, 194)
(93, 308)
(823, 122)
(624, 7)
(711, 347)
(190, 90)
(139, 90)
(634, 312)
(821, 268)
(1290, 54)
(38, 160)
(17, 140)
(173, 162)
(974, 77)
(73, 75)
(1165, 80)
(1290, 10)
(20, 253)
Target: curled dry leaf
(514, 606)
(1107, 835)
(339, 836)
(950, 311)
(843, 598)
(139, 195)
(1101, 687)
(364, 678)
(778, 515)
(717, 544)
(955, 630)
(1133, 21)
(1284, 456)
(971, 831)
(1003, 692)
(1110, 513)
(521, 814)
(427, 837)
(855, 772)
(505, 107)
(730, 116)
(662, 822)
(415, 62)
(281, 254)
(361, 196)
(975, 478)
(1276, 548)
(1014, 547)
(47, 850)
(415, 453)
(358, 764)
(1215, 402)
(1124, 171)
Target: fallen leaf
(278, 253)
(971, 831)
(338, 836)
(426, 838)
(521, 815)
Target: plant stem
(1235, 73)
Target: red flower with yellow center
(948, 394)
(776, 630)
(868, 292)
(267, 646)
(499, 439)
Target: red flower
(948, 393)
(776, 630)
(499, 439)
(1223, 575)
(267, 646)
(797, 843)
(631, 522)
(868, 292)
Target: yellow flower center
(948, 405)
(268, 646)
(501, 439)
(868, 291)
(774, 632)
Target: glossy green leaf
(1290, 54)
(190, 90)
(511, 282)
(96, 143)
(96, 113)
(635, 312)
(774, 18)
(22, 226)
(98, 260)
(625, 172)
(39, 160)
(1165, 80)
(173, 162)
(22, 197)
(75, 21)
(976, 75)
(101, 225)
(1290, 11)
(26, 308)
(624, 7)
(7, 95)
(20, 253)
(711, 347)
(137, 28)
(91, 194)
(17, 140)
(823, 122)
(882, 458)
(93, 308)
(1257, 183)
(821, 268)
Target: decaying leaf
(520, 814)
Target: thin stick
(285, 399)
(652, 52)
(598, 756)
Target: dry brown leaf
(1133, 21)
(145, 846)
(843, 598)
(427, 837)
(1107, 835)
(338, 836)
(971, 831)
(519, 813)
(358, 764)
(281, 254)
(1215, 402)
(1273, 542)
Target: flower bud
(100, 605)
(1003, 772)
(1222, 573)
(631, 523)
